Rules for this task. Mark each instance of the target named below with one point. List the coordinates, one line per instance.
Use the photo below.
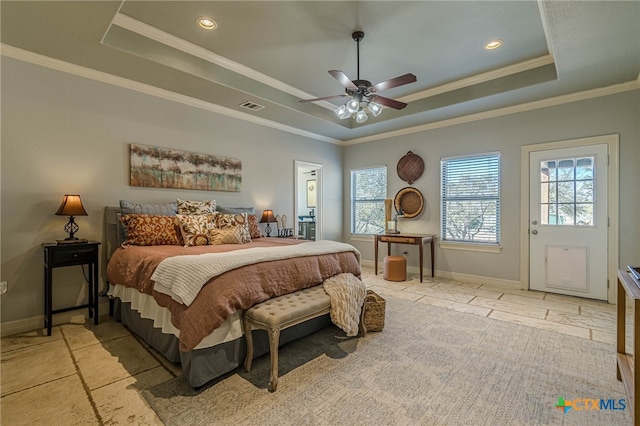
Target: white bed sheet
(147, 307)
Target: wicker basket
(373, 312)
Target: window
(368, 192)
(566, 188)
(471, 199)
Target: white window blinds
(470, 199)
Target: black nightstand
(58, 255)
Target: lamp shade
(267, 217)
(71, 206)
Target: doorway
(570, 245)
(308, 200)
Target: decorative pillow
(151, 230)
(196, 207)
(196, 228)
(254, 229)
(230, 220)
(235, 210)
(232, 235)
(127, 207)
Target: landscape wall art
(171, 168)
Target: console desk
(628, 362)
(414, 239)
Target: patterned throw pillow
(232, 235)
(196, 207)
(254, 229)
(230, 220)
(151, 230)
(196, 228)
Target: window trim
(481, 246)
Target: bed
(202, 331)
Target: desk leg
(375, 241)
(433, 265)
(636, 350)
(421, 260)
(621, 325)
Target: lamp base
(267, 229)
(71, 228)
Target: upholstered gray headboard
(113, 236)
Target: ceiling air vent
(252, 106)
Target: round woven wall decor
(410, 167)
(410, 201)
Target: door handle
(534, 222)
(534, 232)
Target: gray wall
(606, 115)
(66, 134)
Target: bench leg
(274, 341)
(246, 329)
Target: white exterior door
(568, 224)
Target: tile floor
(86, 374)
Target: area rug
(429, 366)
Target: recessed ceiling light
(207, 23)
(493, 44)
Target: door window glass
(566, 191)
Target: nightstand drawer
(77, 255)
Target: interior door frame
(298, 164)
(613, 172)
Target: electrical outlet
(4, 286)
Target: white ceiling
(274, 53)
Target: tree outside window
(368, 192)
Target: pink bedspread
(234, 290)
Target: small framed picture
(311, 193)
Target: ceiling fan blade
(394, 82)
(391, 103)
(323, 98)
(343, 79)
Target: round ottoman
(395, 268)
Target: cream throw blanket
(347, 293)
(182, 277)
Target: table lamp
(71, 206)
(267, 217)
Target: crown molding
(480, 78)
(528, 106)
(56, 64)
(69, 68)
(182, 45)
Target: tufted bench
(278, 314)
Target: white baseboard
(467, 278)
(10, 328)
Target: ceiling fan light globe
(353, 105)
(375, 108)
(361, 116)
(341, 111)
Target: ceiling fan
(363, 92)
